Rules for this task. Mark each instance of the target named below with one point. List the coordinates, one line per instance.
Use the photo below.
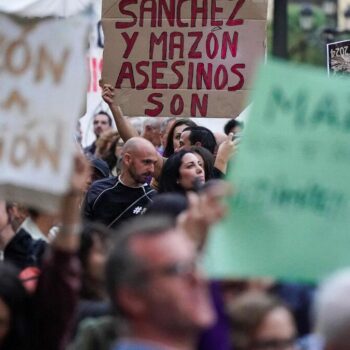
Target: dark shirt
(218, 174)
(55, 301)
(44, 319)
(110, 202)
(23, 251)
(91, 149)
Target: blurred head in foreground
(332, 311)
(259, 321)
(154, 283)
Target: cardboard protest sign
(182, 58)
(43, 80)
(290, 215)
(338, 58)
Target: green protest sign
(289, 217)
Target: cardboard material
(216, 101)
(167, 55)
(289, 216)
(338, 58)
(43, 91)
(250, 9)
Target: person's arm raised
(68, 238)
(57, 293)
(225, 152)
(125, 128)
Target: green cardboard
(289, 216)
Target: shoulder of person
(100, 185)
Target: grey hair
(332, 308)
(152, 122)
(123, 267)
(136, 122)
(165, 123)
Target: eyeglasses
(176, 269)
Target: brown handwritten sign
(188, 58)
(43, 90)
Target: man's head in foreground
(155, 285)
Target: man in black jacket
(111, 201)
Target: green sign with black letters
(289, 216)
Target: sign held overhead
(43, 91)
(182, 58)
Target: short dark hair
(169, 148)
(204, 136)
(33, 213)
(106, 114)
(232, 123)
(168, 181)
(122, 267)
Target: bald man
(113, 200)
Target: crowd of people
(119, 267)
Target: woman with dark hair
(207, 159)
(108, 148)
(93, 302)
(92, 254)
(183, 171)
(174, 135)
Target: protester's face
(101, 124)
(276, 332)
(175, 295)
(142, 163)
(191, 170)
(177, 135)
(185, 142)
(97, 259)
(4, 321)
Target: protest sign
(43, 80)
(44, 8)
(182, 58)
(289, 216)
(338, 57)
